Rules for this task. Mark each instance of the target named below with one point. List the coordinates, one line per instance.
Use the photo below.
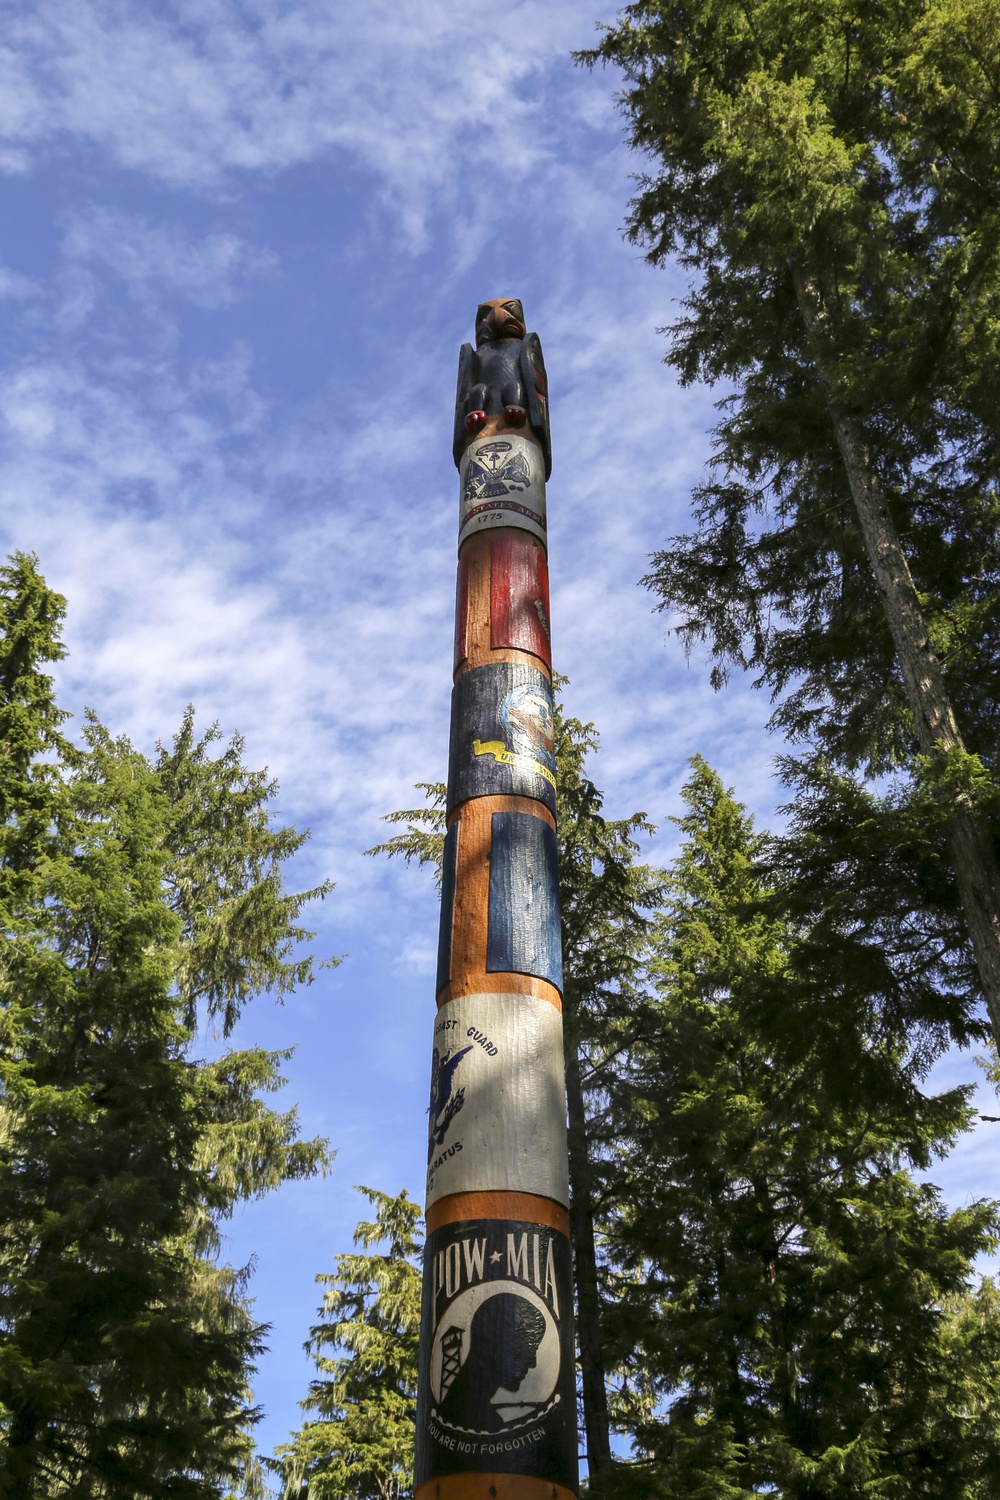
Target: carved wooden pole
(496, 1417)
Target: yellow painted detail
(499, 752)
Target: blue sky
(241, 243)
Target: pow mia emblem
(494, 472)
(497, 1375)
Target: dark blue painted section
(447, 906)
(524, 933)
(502, 729)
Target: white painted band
(498, 1099)
(502, 484)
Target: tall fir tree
(606, 898)
(136, 894)
(359, 1445)
(828, 174)
(794, 1308)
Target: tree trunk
(18, 1468)
(581, 1229)
(969, 843)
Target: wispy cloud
(434, 102)
(150, 259)
(14, 286)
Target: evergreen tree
(829, 175)
(605, 897)
(793, 1307)
(360, 1444)
(134, 894)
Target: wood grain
(519, 595)
(524, 933)
(470, 909)
(501, 574)
(464, 583)
(502, 734)
(474, 565)
(491, 1487)
(498, 1104)
(448, 870)
(456, 1207)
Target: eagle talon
(475, 421)
(515, 416)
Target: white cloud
(430, 99)
(14, 286)
(209, 270)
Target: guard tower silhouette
(451, 1358)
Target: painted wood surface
(472, 636)
(502, 380)
(502, 480)
(467, 919)
(502, 735)
(462, 591)
(455, 1206)
(497, 1117)
(519, 596)
(524, 931)
(497, 1375)
(497, 1402)
(490, 1486)
(448, 871)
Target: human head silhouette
(504, 1336)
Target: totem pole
(496, 1414)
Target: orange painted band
(482, 658)
(500, 984)
(491, 1487)
(487, 806)
(470, 915)
(528, 1207)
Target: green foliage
(423, 841)
(864, 876)
(238, 924)
(132, 891)
(792, 1307)
(605, 893)
(606, 896)
(847, 158)
(360, 1444)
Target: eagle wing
(461, 399)
(536, 388)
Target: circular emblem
(495, 1359)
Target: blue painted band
(524, 934)
(447, 906)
